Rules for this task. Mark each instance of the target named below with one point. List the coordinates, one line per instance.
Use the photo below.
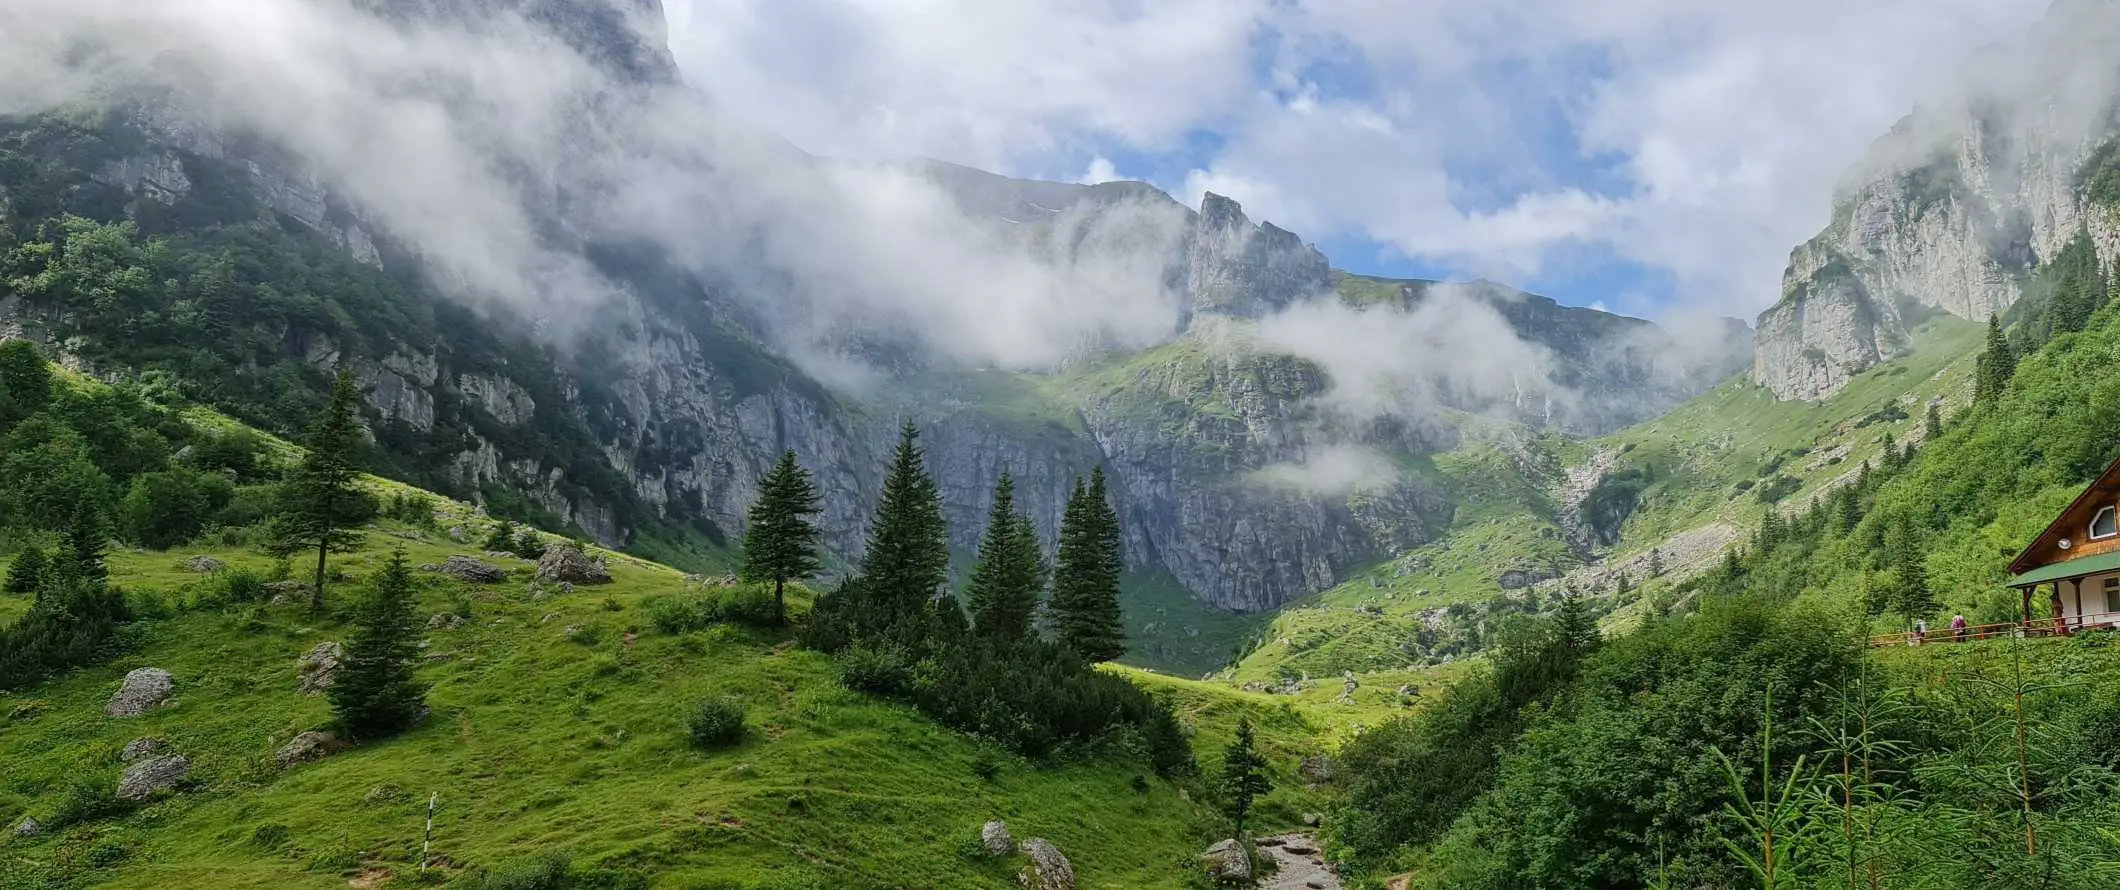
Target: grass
(546, 740)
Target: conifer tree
(86, 540)
(1770, 531)
(321, 507)
(374, 693)
(1244, 778)
(1848, 505)
(1622, 587)
(908, 556)
(1932, 425)
(25, 382)
(1996, 365)
(1909, 565)
(780, 543)
(26, 573)
(1005, 584)
(1656, 562)
(1576, 624)
(502, 538)
(1086, 575)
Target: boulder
(204, 565)
(467, 569)
(995, 838)
(141, 747)
(143, 779)
(1049, 870)
(280, 593)
(445, 621)
(28, 827)
(1228, 863)
(144, 688)
(318, 667)
(1316, 768)
(308, 746)
(565, 564)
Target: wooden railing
(2040, 627)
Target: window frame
(2091, 530)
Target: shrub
(85, 800)
(748, 604)
(875, 671)
(242, 586)
(716, 722)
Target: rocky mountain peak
(627, 38)
(1235, 268)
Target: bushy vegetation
(716, 722)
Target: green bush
(85, 800)
(875, 671)
(716, 722)
(747, 604)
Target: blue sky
(1653, 157)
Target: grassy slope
(541, 741)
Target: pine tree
(1997, 364)
(1086, 575)
(25, 382)
(1622, 587)
(1770, 531)
(1890, 458)
(27, 571)
(908, 555)
(1006, 583)
(1932, 425)
(1909, 565)
(780, 542)
(1656, 562)
(502, 538)
(86, 540)
(374, 693)
(1576, 624)
(1848, 505)
(1244, 778)
(1732, 566)
(321, 507)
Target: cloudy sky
(1635, 154)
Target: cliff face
(664, 405)
(1950, 209)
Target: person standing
(1958, 628)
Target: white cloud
(1714, 130)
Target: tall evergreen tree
(1576, 624)
(1848, 507)
(1909, 564)
(321, 507)
(26, 573)
(1656, 562)
(1932, 425)
(1996, 365)
(1086, 575)
(1244, 778)
(374, 693)
(25, 382)
(1005, 585)
(780, 542)
(86, 541)
(1770, 531)
(908, 556)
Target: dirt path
(1302, 864)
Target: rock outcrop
(303, 748)
(143, 690)
(465, 568)
(1228, 863)
(28, 827)
(204, 565)
(317, 668)
(1048, 869)
(564, 563)
(144, 779)
(141, 748)
(994, 838)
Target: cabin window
(2102, 525)
(2112, 595)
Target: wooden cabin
(2075, 563)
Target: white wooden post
(427, 839)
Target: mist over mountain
(673, 298)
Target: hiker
(1921, 631)
(1958, 628)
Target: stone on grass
(308, 746)
(1228, 863)
(1049, 870)
(141, 747)
(318, 667)
(994, 837)
(1316, 768)
(468, 569)
(143, 689)
(28, 827)
(204, 565)
(445, 621)
(563, 563)
(143, 779)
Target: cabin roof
(2045, 558)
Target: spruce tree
(25, 382)
(1848, 506)
(1996, 365)
(1576, 624)
(502, 538)
(1622, 587)
(374, 693)
(1005, 585)
(27, 571)
(1909, 564)
(1770, 531)
(908, 556)
(1932, 425)
(780, 542)
(1244, 778)
(1656, 562)
(1086, 575)
(86, 540)
(321, 507)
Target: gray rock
(308, 746)
(995, 838)
(204, 565)
(564, 564)
(143, 689)
(1228, 863)
(141, 747)
(28, 827)
(283, 592)
(318, 667)
(468, 569)
(1316, 768)
(1048, 869)
(445, 621)
(142, 780)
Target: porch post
(2026, 623)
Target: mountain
(623, 307)
(1953, 208)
